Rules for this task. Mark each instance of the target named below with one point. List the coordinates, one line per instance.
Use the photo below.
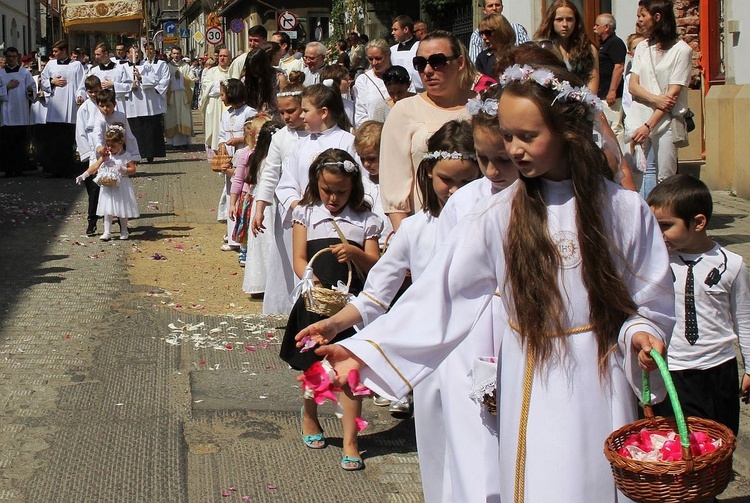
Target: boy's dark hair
(236, 93)
(284, 38)
(106, 96)
(61, 45)
(92, 82)
(396, 75)
(326, 161)
(684, 196)
(404, 22)
(257, 31)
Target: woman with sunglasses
(412, 120)
(369, 88)
(499, 36)
(563, 26)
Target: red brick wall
(688, 26)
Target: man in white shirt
(405, 49)
(20, 91)
(256, 35)
(63, 80)
(210, 100)
(112, 74)
(477, 45)
(315, 61)
(288, 62)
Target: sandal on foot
(311, 440)
(351, 464)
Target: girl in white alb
(266, 218)
(584, 278)
(327, 125)
(449, 164)
(113, 170)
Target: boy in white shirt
(712, 305)
(86, 147)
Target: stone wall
(688, 27)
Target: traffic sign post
(215, 36)
(287, 21)
(237, 25)
(170, 29)
(184, 33)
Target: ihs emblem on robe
(567, 246)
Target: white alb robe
(148, 97)
(62, 102)
(15, 108)
(211, 105)
(572, 408)
(121, 78)
(178, 123)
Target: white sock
(123, 226)
(107, 224)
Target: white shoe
(228, 247)
(124, 236)
(105, 237)
(401, 407)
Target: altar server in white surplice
(147, 103)
(16, 117)
(62, 79)
(113, 75)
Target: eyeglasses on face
(310, 58)
(486, 33)
(436, 61)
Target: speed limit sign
(215, 35)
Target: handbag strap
(376, 86)
(343, 239)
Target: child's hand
(321, 332)
(643, 343)
(343, 252)
(745, 388)
(257, 225)
(80, 178)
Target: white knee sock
(107, 224)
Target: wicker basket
(324, 301)
(690, 480)
(219, 162)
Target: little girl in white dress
(113, 170)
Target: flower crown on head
(348, 166)
(545, 78)
(476, 105)
(116, 127)
(442, 154)
(286, 94)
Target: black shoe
(150, 160)
(91, 230)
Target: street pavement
(107, 395)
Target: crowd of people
(505, 220)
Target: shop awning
(111, 16)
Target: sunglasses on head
(436, 61)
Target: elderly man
(612, 52)
(315, 61)
(256, 35)
(288, 62)
(113, 75)
(477, 45)
(405, 49)
(210, 100)
(15, 119)
(178, 123)
(62, 80)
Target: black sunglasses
(436, 61)
(486, 33)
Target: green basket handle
(682, 428)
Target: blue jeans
(649, 176)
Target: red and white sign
(215, 35)
(287, 20)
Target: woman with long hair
(563, 26)
(499, 36)
(658, 82)
(261, 82)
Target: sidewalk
(107, 395)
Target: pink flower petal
(308, 344)
(361, 424)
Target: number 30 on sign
(214, 36)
